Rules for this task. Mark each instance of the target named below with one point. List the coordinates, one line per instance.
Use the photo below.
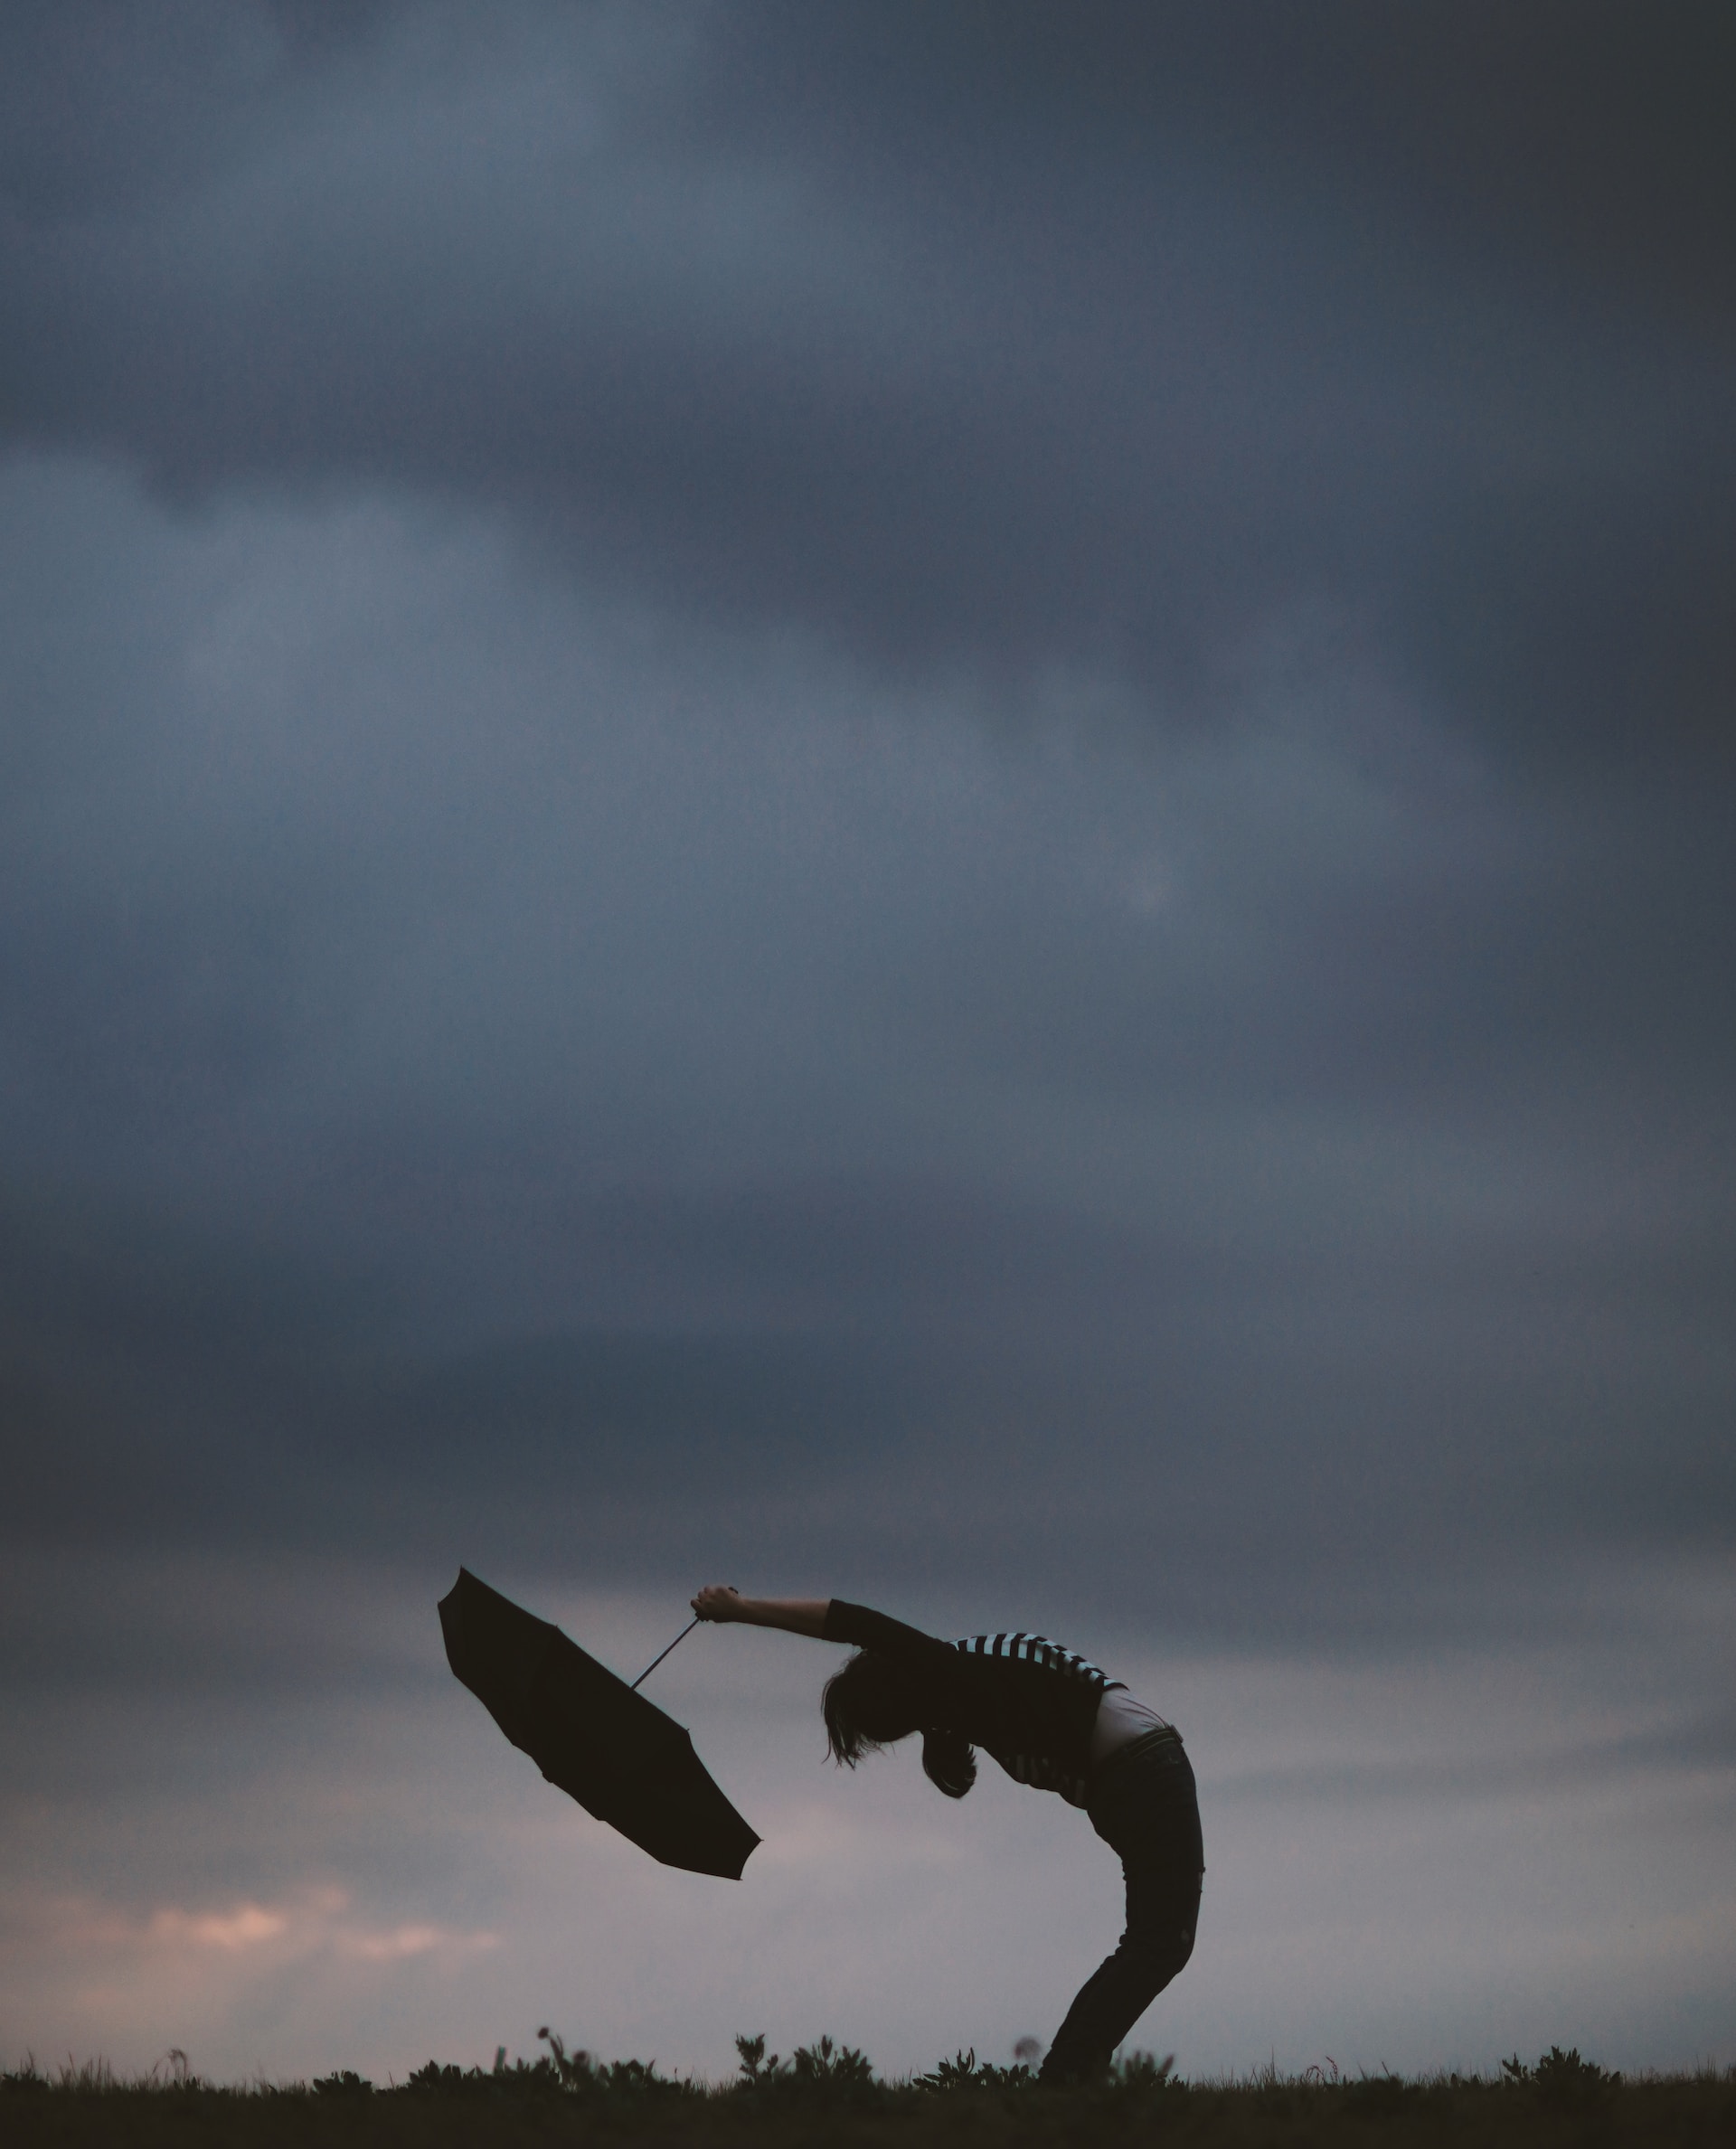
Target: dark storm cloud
(994, 336)
(460, 1097)
(577, 1136)
(1583, 139)
(913, 1393)
(1707, 1741)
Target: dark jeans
(1145, 1806)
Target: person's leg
(1146, 1811)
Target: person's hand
(718, 1603)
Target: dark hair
(868, 1706)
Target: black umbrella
(622, 1758)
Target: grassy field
(831, 2094)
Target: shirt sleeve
(855, 1623)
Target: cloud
(164, 1944)
(469, 1044)
(315, 1921)
(142, 1975)
(962, 380)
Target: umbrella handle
(656, 1661)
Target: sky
(919, 801)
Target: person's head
(869, 1705)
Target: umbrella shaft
(656, 1661)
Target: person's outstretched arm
(796, 1615)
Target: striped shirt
(1026, 1701)
(1044, 1771)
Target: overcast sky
(925, 800)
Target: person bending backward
(1051, 1721)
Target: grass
(830, 2092)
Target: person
(1053, 1720)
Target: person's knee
(1159, 1947)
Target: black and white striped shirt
(1026, 1701)
(1043, 1770)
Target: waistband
(1147, 1742)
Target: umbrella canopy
(618, 1754)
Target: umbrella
(618, 1754)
